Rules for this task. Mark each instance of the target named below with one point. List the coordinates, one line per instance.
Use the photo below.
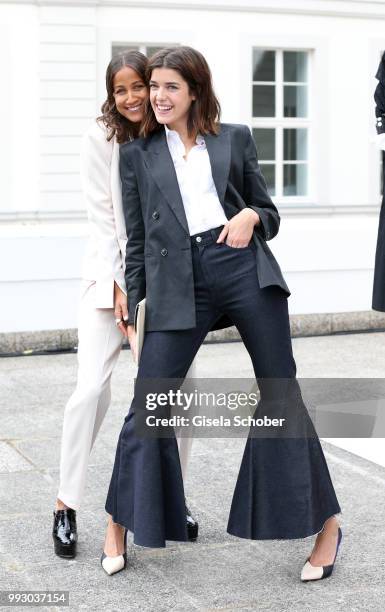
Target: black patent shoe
(64, 533)
(192, 526)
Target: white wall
(19, 39)
(68, 77)
(325, 248)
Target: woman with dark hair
(103, 305)
(198, 216)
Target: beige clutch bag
(139, 325)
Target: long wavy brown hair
(205, 111)
(116, 124)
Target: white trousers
(99, 345)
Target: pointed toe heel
(312, 572)
(113, 565)
(192, 526)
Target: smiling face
(130, 94)
(170, 98)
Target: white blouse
(199, 195)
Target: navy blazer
(158, 254)
(378, 298)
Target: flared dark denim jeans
(283, 489)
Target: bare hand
(120, 309)
(239, 230)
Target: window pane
(151, 50)
(263, 65)
(295, 101)
(295, 179)
(263, 100)
(268, 171)
(265, 142)
(121, 48)
(295, 144)
(295, 66)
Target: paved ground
(220, 572)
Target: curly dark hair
(116, 124)
(205, 111)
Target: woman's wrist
(252, 214)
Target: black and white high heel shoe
(113, 565)
(312, 572)
(192, 526)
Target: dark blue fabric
(378, 297)
(284, 488)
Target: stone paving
(219, 572)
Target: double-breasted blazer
(378, 301)
(105, 252)
(158, 254)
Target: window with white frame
(280, 120)
(146, 49)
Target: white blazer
(104, 259)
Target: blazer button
(155, 215)
(164, 252)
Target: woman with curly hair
(103, 306)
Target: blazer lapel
(219, 150)
(159, 162)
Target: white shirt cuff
(380, 141)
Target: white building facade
(300, 73)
